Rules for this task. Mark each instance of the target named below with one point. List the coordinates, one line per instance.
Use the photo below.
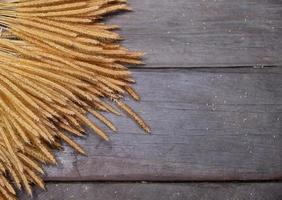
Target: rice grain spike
(133, 115)
(103, 119)
(48, 8)
(70, 142)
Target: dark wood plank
(207, 125)
(156, 191)
(209, 33)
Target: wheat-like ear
(58, 62)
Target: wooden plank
(207, 125)
(157, 191)
(210, 33)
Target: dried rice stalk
(57, 63)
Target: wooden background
(212, 92)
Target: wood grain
(210, 33)
(220, 124)
(169, 191)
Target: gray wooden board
(210, 33)
(156, 191)
(219, 124)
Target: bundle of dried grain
(57, 63)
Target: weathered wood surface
(209, 125)
(218, 124)
(169, 191)
(208, 33)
